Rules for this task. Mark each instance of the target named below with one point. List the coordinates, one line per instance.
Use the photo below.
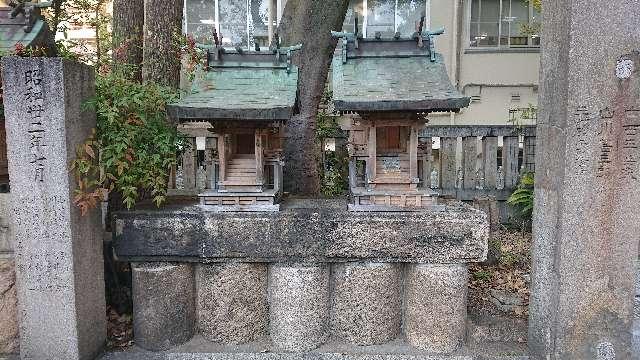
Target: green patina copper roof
(248, 86)
(392, 75)
(12, 31)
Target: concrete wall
(494, 74)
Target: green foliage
(335, 178)
(482, 275)
(133, 148)
(63, 14)
(522, 197)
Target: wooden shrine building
(386, 87)
(243, 101)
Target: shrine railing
(470, 160)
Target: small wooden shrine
(243, 99)
(386, 87)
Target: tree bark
(308, 22)
(162, 30)
(128, 32)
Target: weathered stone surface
(506, 301)
(6, 235)
(59, 264)
(313, 232)
(164, 308)
(367, 302)
(232, 302)
(9, 335)
(586, 228)
(299, 306)
(290, 356)
(436, 306)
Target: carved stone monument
(59, 265)
(586, 229)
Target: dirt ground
(501, 285)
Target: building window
(386, 17)
(240, 22)
(504, 23)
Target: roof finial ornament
(30, 10)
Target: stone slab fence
(313, 273)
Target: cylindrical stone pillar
(436, 306)
(163, 304)
(367, 302)
(232, 302)
(299, 306)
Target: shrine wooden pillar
(222, 156)
(259, 157)
(413, 156)
(371, 162)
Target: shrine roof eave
(185, 113)
(394, 83)
(12, 32)
(400, 105)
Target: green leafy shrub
(522, 197)
(133, 148)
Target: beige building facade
(488, 58)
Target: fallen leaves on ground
(119, 330)
(510, 274)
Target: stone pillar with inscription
(586, 230)
(58, 252)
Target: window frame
(278, 10)
(365, 15)
(499, 46)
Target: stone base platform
(304, 230)
(311, 275)
(200, 349)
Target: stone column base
(163, 304)
(367, 302)
(299, 299)
(232, 302)
(436, 306)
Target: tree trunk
(308, 22)
(162, 30)
(128, 31)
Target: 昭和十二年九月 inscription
(36, 131)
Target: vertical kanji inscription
(36, 131)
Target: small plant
(482, 275)
(522, 197)
(334, 164)
(133, 147)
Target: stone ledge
(303, 231)
(200, 349)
